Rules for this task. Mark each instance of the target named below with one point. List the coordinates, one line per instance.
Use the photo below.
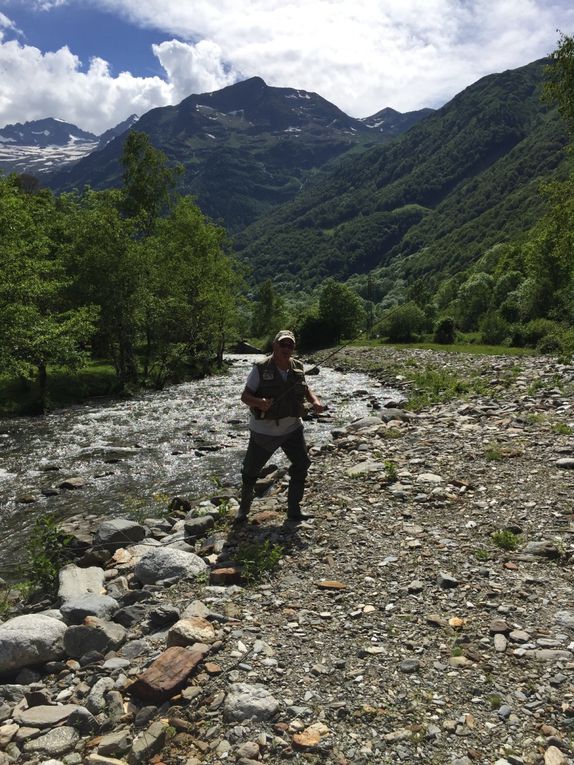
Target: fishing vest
(288, 395)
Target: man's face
(283, 349)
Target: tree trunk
(43, 387)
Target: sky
(96, 62)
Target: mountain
(116, 131)
(393, 123)
(245, 148)
(431, 201)
(42, 146)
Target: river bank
(424, 615)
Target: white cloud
(193, 68)
(35, 85)
(362, 55)
(366, 54)
(6, 23)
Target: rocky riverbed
(426, 614)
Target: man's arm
(314, 401)
(253, 402)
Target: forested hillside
(429, 202)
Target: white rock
(249, 702)
(165, 563)
(30, 639)
(76, 581)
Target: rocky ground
(426, 614)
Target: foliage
(38, 326)
(562, 429)
(506, 539)
(473, 299)
(268, 311)
(493, 453)
(137, 276)
(403, 323)
(493, 328)
(559, 86)
(47, 550)
(435, 385)
(444, 331)
(258, 560)
(391, 471)
(316, 332)
(148, 180)
(341, 309)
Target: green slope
(433, 199)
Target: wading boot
(294, 496)
(247, 491)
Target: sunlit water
(187, 440)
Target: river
(135, 454)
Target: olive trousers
(257, 457)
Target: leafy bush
(551, 343)
(316, 332)
(47, 550)
(494, 329)
(506, 539)
(537, 329)
(403, 322)
(258, 560)
(444, 331)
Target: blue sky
(88, 32)
(95, 62)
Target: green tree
(106, 259)
(474, 297)
(194, 291)
(559, 86)
(149, 180)
(268, 311)
(444, 331)
(402, 323)
(493, 328)
(38, 327)
(342, 309)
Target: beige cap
(284, 334)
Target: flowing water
(135, 454)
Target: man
(276, 391)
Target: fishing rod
(314, 370)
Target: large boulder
(168, 563)
(30, 639)
(76, 609)
(119, 532)
(93, 635)
(76, 581)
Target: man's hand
(318, 407)
(264, 404)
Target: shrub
(494, 329)
(506, 540)
(47, 550)
(403, 322)
(317, 333)
(258, 560)
(444, 331)
(551, 343)
(536, 329)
